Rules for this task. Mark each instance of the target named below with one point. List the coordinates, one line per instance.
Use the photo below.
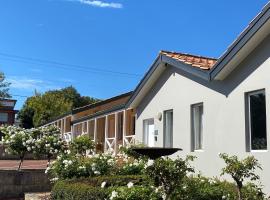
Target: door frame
(144, 128)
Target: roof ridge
(187, 54)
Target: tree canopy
(41, 108)
(4, 87)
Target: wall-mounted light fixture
(159, 116)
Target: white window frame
(248, 94)
(194, 147)
(164, 128)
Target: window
(3, 117)
(197, 126)
(168, 128)
(256, 110)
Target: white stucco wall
(224, 111)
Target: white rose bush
(37, 141)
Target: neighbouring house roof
(99, 113)
(80, 109)
(77, 110)
(200, 62)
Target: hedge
(111, 181)
(75, 191)
(90, 188)
(195, 188)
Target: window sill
(199, 150)
(259, 151)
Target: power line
(15, 58)
(17, 95)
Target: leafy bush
(240, 170)
(129, 165)
(68, 166)
(91, 188)
(168, 173)
(135, 193)
(67, 191)
(129, 151)
(202, 188)
(111, 181)
(81, 144)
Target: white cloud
(24, 83)
(100, 4)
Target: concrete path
(27, 164)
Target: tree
(4, 87)
(41, 108)
(240, 170)
(38, 141)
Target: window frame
(164, 127)
(248, 120)
(193, 138)
(5, 115)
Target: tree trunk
(49, 160)
(21, 161)
(239, 189)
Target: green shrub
(130, 152)
(91, 188)
(168, 173)
(134, 193)
(201, 188)
(68, 166)
(76, 191)
(81, 144)
(111, 181)
(240, 170)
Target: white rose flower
(149, 163)
(130, 185)
(113, 195)
(103, 184)
(97, 172)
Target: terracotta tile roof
(201, 62)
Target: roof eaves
(204, 74)
(98, 114)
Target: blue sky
(105, 47)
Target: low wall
(13, 184)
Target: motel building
(109, 123)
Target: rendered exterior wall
(224, 128)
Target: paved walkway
(27, 164)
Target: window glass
(3, 117)
(168, 128)
(257, 120)
(197, 126)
